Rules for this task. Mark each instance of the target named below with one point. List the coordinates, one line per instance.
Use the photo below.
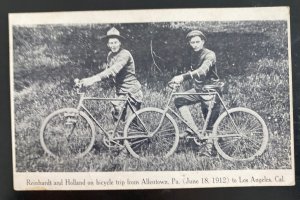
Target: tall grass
(254, 67)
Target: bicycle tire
(240, 150)
(57, 142)
(162, 144)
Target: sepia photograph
(143, 99)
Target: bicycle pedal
(199, 142)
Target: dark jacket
(203, 69)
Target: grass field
(252, 60)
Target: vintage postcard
(145, 99)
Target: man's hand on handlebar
(173, 85)
(87, 81)
(175, 82)
(177, 79)
(77, 85)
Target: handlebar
(173, 85)
(77, 83)
(78, 86)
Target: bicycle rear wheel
(245, 142)
(146, 138)
(67, 133)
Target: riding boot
(208, 149)
(115, 112)
(214, 116)
(204, 110)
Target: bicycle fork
(230, 117)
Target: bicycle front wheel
(67, 133)
(240, 134)
(150, 134)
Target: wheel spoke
(254, 126)
(168, 134)
(253, 134)
(136, 126)
(70, 140)
(255, 129)
(168, 130)
(236, 148)
(164, 140)
(138, 132)
(228, 144)
(257, 144)
(138, 142)
(257, 133)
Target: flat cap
(195, 33)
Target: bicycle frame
(112, 137)
(202, 134)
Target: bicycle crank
(109, 143)
(196, 139)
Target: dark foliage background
(80, 49)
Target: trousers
(135, 100)
(205, 100)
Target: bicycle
(238, 133)
(70, 132)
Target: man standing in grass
(121, 68)
(203, 72)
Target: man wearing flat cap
(121, 68)
(202, 72)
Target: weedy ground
(253, 63)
